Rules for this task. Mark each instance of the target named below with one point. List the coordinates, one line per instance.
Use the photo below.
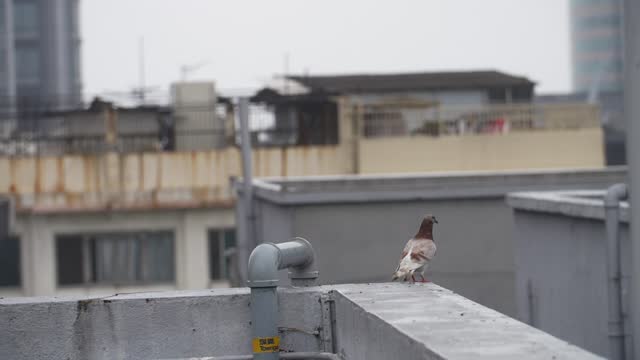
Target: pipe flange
(262, 283)
(303, 275)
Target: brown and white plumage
(418, 252)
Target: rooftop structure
(355, 322)
(562, 248)
(365, 220)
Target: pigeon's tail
(399, 274)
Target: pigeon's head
(426, 227)
(430, 219)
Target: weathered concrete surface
(425, 321)
(150, 325)
(379, 321)
(145, 181)
(578, 203)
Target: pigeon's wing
(416, 253)
(405, 251)
(424, 250)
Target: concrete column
(348, 134)
(38, 258)
(180, 254)
(195, 252)
(26, 269)
(632, 114)
(110, 184)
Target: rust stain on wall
(150, 180)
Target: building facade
(597, 45)
(39, 55)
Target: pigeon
(418, 252)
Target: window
(28, 64)
(598, 44)
(599, 21)
(2, 19)
(115, 258)
(26, 18)
(10, 261)
(222, 249)
(74, 13)
(3, 61)
(596, 65)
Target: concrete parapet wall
(381, 321)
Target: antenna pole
(142, 71)
(286, 73)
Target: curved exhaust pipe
(264, 263)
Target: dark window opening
(10, 261)
(115, 258)
(222, 250)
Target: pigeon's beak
(435, 221)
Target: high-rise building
(39, 55)
(597, 49)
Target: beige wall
(196, 179)
(580, 148)
(152, 180)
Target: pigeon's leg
(424, 279)
(413, 278)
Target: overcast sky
(244, 42)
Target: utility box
(194, 110)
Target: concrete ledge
(425, 321)
(580, 204)
(377, 321)
(358, 188)
(149, 325)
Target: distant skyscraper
(596, 34)
(40, 53)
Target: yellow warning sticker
(266, 344)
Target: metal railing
(95, 128)
(387, 120)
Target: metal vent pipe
(264, 263)
(631, 15)
(614, 195)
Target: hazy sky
(245, 41)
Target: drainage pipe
(631, 14)
(247, 232)
(264, 263)
(614, 195)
